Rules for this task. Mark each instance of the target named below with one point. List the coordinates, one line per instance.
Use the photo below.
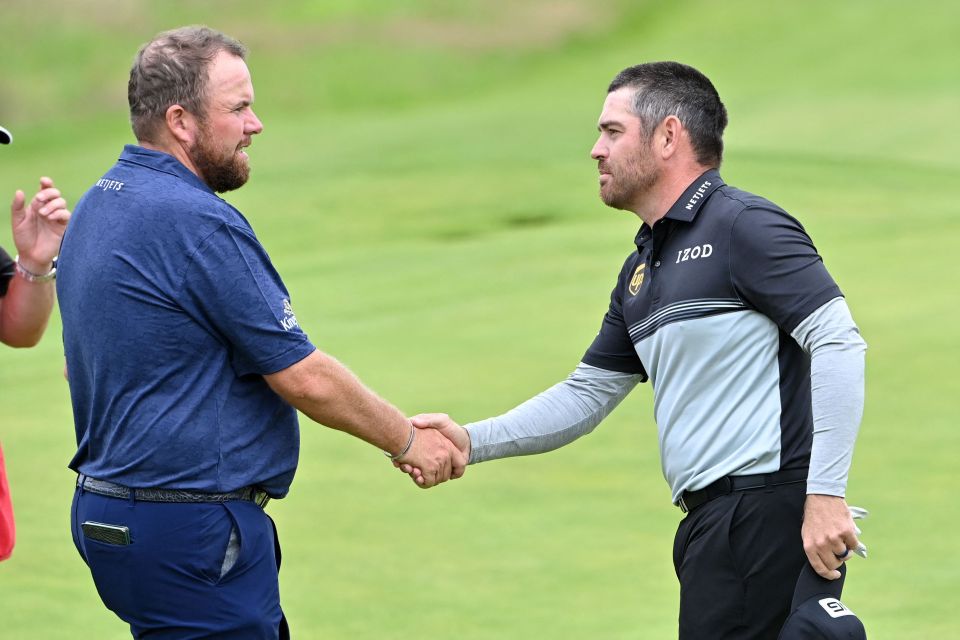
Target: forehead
(616, 108)
(228, 74)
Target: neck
(671, 185)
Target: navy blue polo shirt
(704, 308)
(172, 313)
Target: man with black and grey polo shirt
(756, 365)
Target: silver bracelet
(413, 432)
(30, 276)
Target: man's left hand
(829, 534)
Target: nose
(599, 151)
(253, 124)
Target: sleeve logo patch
(835, 608)
(289, 321)
(637, 280)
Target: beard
(222, 171)
(632, 178)
(628, 183)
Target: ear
(670, 130)
(182, 124)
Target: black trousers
(738, 558)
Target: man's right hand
(434, 457)
(455, 435)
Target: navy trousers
(176, 578)
(738, 558)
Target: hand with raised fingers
(434, 457)
(38, 226)
(453, 432)
(829, 534)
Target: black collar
(689, 203)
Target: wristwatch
(30, 276)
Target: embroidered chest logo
(637, 280)
(289, 320)
(694, 253)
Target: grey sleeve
(556, 417)
(836, 350)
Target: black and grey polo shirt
(704, 309)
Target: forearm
(837, 386)
(24, 311)
(554, 418)
(837, 383)
(328, 393)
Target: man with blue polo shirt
(187, 363)
(755, 362)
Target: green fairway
(424, 186)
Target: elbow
(22, 340)
(304, 393)
(303, 387)
(851, 343)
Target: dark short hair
(670, 88)
(172, 69)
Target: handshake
(438, 450)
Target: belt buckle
(260, 498)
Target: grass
(431, 206)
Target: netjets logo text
(699, 194)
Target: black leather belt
(113, 490)
(690, 500)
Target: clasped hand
(440, 450)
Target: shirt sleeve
(775, 267)
(554, 418)
(7, 270)
(235, 290)
(613, 349)
(836, 351)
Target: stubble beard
(627, 186)
(221, 172)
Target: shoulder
(733, 203)
(200, 211)
(750, 217)
(222, 213)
